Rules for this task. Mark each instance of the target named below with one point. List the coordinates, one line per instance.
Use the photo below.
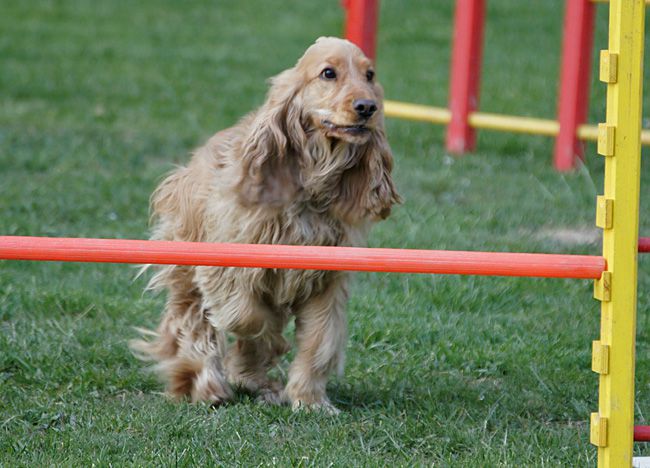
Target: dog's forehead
(334, 50)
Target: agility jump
(615, 272)
(619, 141)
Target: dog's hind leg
(191, 361)
(189, 351)
(196, 369)
(259, 341)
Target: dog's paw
(272, 396)
(212, 388)
(323, 406)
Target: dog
(311, 166)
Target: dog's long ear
(367, 189)
(269, 153)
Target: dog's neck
(323, 163)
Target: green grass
(99, 99)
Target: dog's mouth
(358, 129)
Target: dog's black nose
(365, 107)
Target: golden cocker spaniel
(310, 167)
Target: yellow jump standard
(618, 215)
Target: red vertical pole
(465, 78)
(361, 24)
(575, 76)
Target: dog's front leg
(321, 333)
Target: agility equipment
(462, 116)
(301, 257)
(612, 427)
(621, 67)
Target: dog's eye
(370, 75)
(328, 74)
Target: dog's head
(340, 94)
(321, 130)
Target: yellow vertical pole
(621, 67)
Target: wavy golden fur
(311, 167)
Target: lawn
(98, 100)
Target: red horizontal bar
(644, 244)
(301, 257)
(642, 433)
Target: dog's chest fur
(299, 226)
(298, 223)
(309, 217)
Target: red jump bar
(642, 433)
(300, 257)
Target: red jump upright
(465, 78)
(575, 75)
(361, 24)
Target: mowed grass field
(98, 100)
